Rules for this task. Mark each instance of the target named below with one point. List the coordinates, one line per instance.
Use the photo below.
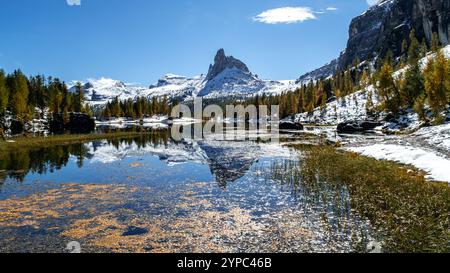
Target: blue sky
(140, 40)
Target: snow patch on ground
(351, 107)
(436, 166)
(438, 136)
(408, 121)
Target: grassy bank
(41, 141)
(410, 213)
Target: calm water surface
(152, 194)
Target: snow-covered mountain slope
(226, 77)
(229, 76)
(353, 106)
(384, 27)
(235, 82)
(100, 91)
(178, 87)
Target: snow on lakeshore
(351, 107)
(438, 136)
(435, 165)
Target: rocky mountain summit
(227, 76)
(385, 26)
(222, 62)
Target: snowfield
(351, 107)
(436, 166)
(437, 136)
(230, 82)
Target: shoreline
(64, 139)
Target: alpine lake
(150, 193)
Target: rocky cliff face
(222, 62)
(384, 27)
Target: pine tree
(107, 113)
(365, 79)
(387, 88)
(38, 92)
(437, 82)
(4, 93)
(18, 97)
(369, 104)
(55, 87)
(419, 107)
(412, 84)
(435, 42)
(404, 52)
(323, 104)
(414, 49)
(423, 48)
(79, 98)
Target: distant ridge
(384, 26)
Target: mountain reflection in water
(217, 195)
(227, 160)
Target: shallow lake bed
(152, 194)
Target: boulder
(77, 123)
(57, 124)
(357, 126)
(16, 127)
(290, 125)
(80, 123)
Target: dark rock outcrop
(324, 71)
(384, 27)
(78, 123)
(290, 125)
(222, 62)
(16, 127)
(357, 126)
(81, 123)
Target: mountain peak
(383, 28)
(220, 55)
(222, 62)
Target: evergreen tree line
(137, 108)
(415, 88)
(22, 96)
(317, 93)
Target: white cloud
(332, 9)
(286, 15)
(73, 2)
(372, 2)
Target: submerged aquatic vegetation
(324, 200)
(410, 213)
